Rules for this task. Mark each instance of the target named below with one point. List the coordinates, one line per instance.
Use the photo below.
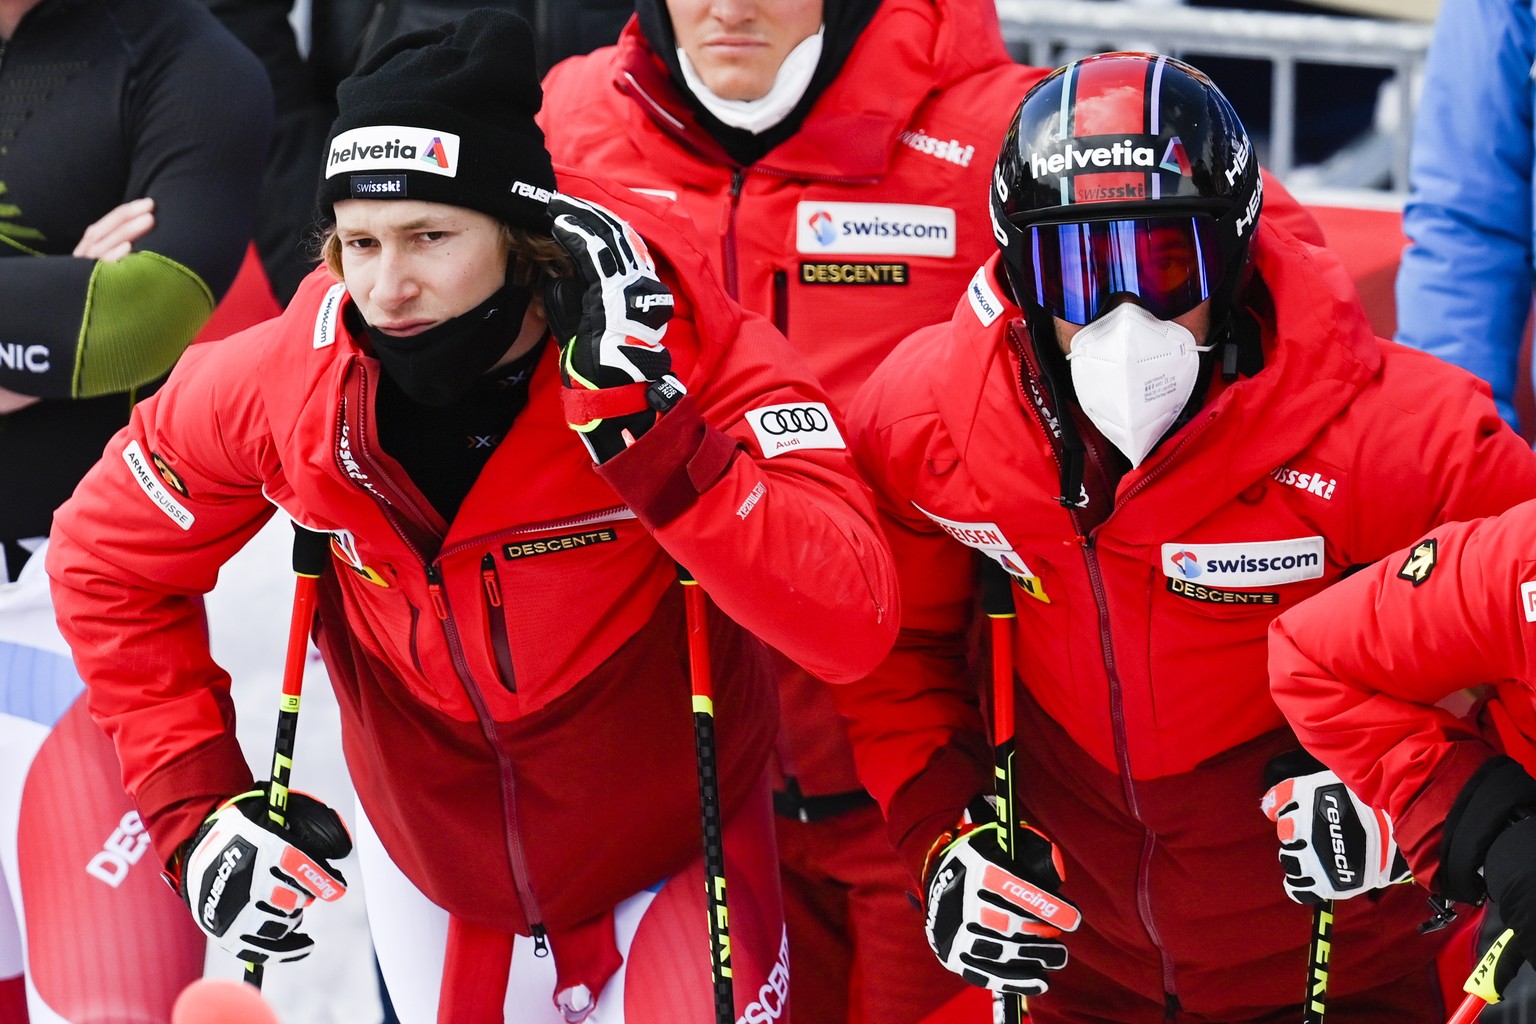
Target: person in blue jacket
(1464, 286)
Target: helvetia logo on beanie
(390, 147)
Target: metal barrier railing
(1050, 33)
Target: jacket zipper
(1116, 701)
(728, 238)
(499, 643)
(512, 834)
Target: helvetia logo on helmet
(1125, 154)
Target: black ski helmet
(1126, 137)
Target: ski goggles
(1170, 265)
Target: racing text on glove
(994, 920)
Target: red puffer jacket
(1145, 721)
(862, 226)
(1359, 670)
(510, 680)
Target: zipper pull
(540, 941)
(488, 577)
(435, 589)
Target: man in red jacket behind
(1165, 417)
(514, 418)
(835, 154)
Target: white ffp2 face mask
(1133, 373)
(789, 85)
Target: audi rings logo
(792, 419)
(783, 428)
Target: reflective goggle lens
(1171, 265)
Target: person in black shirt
(341, 34)
(127, 196)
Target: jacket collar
(909, 50)
(1320, 354)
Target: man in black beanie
(514, 418)
(309, 47)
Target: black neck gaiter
(440, 365)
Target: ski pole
(997, 603)
(1479, 986)
(695, 611)
(311, 551)
(1318, 952)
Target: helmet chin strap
(1237, 338)
(1052, 367)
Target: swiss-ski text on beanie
(445, 115)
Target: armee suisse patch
(144, 474)
(794, 427)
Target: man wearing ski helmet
(1166, 419)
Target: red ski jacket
(509, 681)
(861, 227)
(1359, 669)
(1145, 722)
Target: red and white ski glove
(609, 320)
(993, 920)
(247, 881)
(1332, 846)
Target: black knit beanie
(445, 115)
